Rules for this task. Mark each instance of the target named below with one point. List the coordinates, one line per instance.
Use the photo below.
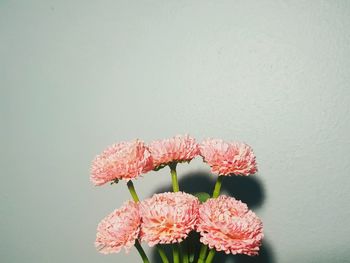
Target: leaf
(202, 196)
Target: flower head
(168, 217)
(119, 229)
(125, 160)
(176, 149)
(227, 225)
(228, 158)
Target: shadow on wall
(247, 189)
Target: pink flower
(168, 217)
(227, 225)
(119, 229)
(125, 160)
(228, 158)
(176, 149)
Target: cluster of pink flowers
(119, 229)
(128, 160)
(176, 149)
(228, 158)
(168, 217)
(125, 160)
(224, 223)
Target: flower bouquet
(170, 219)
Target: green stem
(132, 191)
(191, 247)
(184, 250)
(137, 243)
(204, 248)
(141, 252)
(210, 256)
(217, 187)
(174, 176)
(176, 254)
(202, 254)
(162, 254)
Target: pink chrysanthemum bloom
(227, 225)
(176, 149)
(119, 229)
(168, 217)
(125, 160)
(228, 158)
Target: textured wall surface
(76, 76)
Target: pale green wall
(76, 76)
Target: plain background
(77, 76)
